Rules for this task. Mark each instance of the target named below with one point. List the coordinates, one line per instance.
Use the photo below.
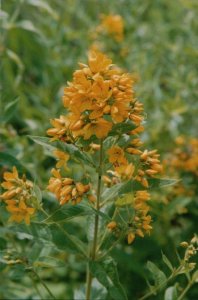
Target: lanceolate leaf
(9, 161)
(106, 273)
(67, 212)
(167, 262)
(158, 276)
(72, 150)
(171, 293)
(121, 128)
(132, 186)
(9, 110)
(44, 142)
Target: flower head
(18, 197)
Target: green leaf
(132, 186)
(121, 128)
(45, 6)
(27, 25)
(90, 228)
(3, 244)
(44, 142)
(106, 273)
(9, 110)
(155, 183)
(177, 205)
(195, 276)
(63, 240)
(158, 276)
(48, 262)
(9, 161)
(72, 150)
(68, 212)
(35, 251)
(167, 262)
(124, 200)
(16, 59)
(171, 293)
(37, 193)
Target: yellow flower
(20, 212)
(66, 189)
(130, 237)
(60, 130)
(19, 193)
(98, 62)
(116, 154)
(122, 167)
(113, 25)
(112, 225)
(62, 158)
(99, 127)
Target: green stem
(185, 290)
(153, 292)
(96, 225)
(44, 285)
(35, 286)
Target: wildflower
(122, 167)
(18, 197)
(149, 166)
(62, 158)
(97, 90)
(112, 225)
(185, 157)
(19, 211)
(66, 189)
(184, 244)
(99, 127)
(60, 131)
(116, 154)
(140, 223)
(113, 25)
(130, 237)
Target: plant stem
(185, 290)
(94, 247)
(44, 285)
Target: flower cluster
(148, 162)
(185, 156)
(139, 223)
(122, 167)
(99, 96)
(112, 25)
(191, 249)
(149, 166)
(18, 197)
(183, 161)
(66, 189)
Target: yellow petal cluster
(185, 156)
(62, 158)
(141, 220)
(66, 189)
(121, 165)
(112, 25)
(149, 166)
(99, 96)
(18, 196)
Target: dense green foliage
(42, 41)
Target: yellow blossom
(18, 196)
(62, 158)
(113, 25)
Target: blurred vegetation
(42, 41)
